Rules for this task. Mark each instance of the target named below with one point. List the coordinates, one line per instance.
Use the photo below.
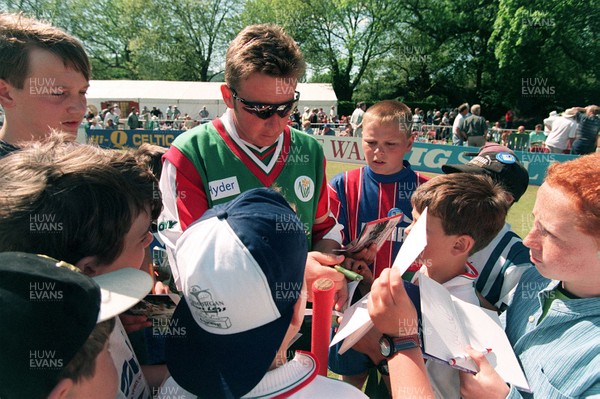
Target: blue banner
(428, 157)
(424, 157)
(131, 138)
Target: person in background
(548, 122)
(307, 127)
(564, 131)
(333, 117)
(458, 138)
(508, 118)
(357, 117)
(475, 127)
(586, 138)
(537, 138)
(327, 130)
(133, 119)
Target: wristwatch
(391, 345)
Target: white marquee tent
(190, 97)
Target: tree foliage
(529, 55)
(548, 52)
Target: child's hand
(390, 308)
(486, 383)
(133, 323)
(319, 265)
(360, 267)
(160, 288)
(366, 254)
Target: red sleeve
(334, 202)
(324, 220)
(191, 197)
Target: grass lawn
(519, 216)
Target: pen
(348, 273)
(454, 360)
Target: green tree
(339, 37)
(548, 53)
(186, 39)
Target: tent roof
(188, 91)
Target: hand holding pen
(359, 271)
(486, 383)
(454, 360)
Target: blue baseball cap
(242, 270)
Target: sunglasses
(265, 111)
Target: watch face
(385, 346)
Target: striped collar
(287, 379)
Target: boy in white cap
(243, 302)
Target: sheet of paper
(442, 333)
(413, 245)
(356, 323)
(449, 324)
(352, 286)
(353, 319)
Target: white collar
(286, 379)
(467, 277)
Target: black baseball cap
(498, 162)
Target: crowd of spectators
(466, 125)
(172, 119)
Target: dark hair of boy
(467, 204)
(151, 155)
(84, 199)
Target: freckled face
(559, 249)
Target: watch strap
(405, 342)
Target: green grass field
(519, 215)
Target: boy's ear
(411, 141)
(463, 245)
(88, 265)
(62, 389)
(6, 89)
